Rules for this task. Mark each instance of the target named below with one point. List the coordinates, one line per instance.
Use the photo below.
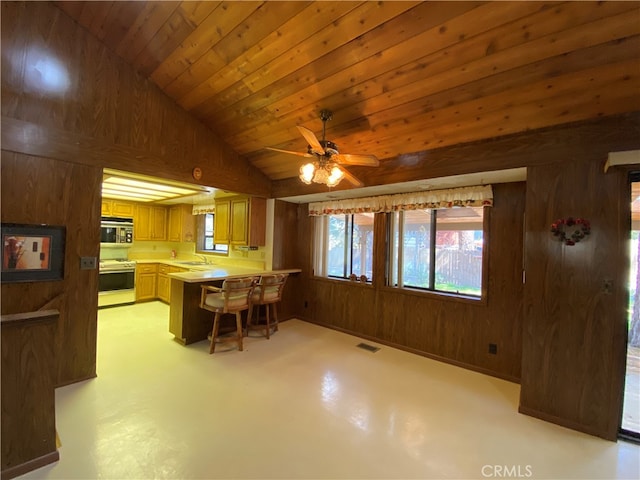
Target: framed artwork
(32, 253)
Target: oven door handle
(116, 271)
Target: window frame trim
(476, 300)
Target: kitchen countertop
(222, 272)
(201, 272)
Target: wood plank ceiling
(400, 77)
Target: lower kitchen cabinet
(146, 276)
(164, 281)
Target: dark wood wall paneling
(575, 326)
(28, 397)
(39, 190)
(448, 329)
(101, 112)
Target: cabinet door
(106, 208)
(146, 286)
(174, 223)
(239, 222)
(222, 219)
(164, 288)
(121, 209)
(142, 222)
(158, 223)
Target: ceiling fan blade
(290, 152)
(351, 159)
(311, 138)
(348, 176)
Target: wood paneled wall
(575, 325)
(39, 190)
(90, 107)
(286, 249)
(453, 330)
(28, 397)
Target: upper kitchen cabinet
(117, 208)
(150, 222)
(241, 221)
(182, 226)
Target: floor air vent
(367, 347)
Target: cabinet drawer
(164, 269)
(147, 268)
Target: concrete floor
(306, 404)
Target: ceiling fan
(328, 165)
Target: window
(437, 249)
(344, 245)
(205, 235)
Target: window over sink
(205, 229)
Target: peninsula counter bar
(187, 321)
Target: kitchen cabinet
(182, 225)
(164, 281)
(150, 222)
(240, 221)
(117, 208)
(222, 221)
(146, 280)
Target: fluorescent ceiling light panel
(150, 186)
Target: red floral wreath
(570, 230)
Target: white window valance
(478, 196)
(202, 209)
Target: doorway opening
(630, 426)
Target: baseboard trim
(30, 465)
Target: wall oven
(116, 282)
(116, 232)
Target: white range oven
(116, 282)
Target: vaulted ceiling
(400, 77)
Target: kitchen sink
(194, 262)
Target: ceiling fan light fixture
(307, 172)
(327, 173)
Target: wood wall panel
(38, 190)
(102, 102)
(28, 398)
(433, 325)
(572, 322)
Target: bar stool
(267, 292)
(233, 297)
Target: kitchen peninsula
(187, 321)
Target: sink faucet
(204, 259)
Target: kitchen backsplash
(150, 250)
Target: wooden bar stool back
(267, 292)
(234, 297)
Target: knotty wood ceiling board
(400, 77)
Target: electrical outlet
(493, 348)
(607, 286)
(88, 263)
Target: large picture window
(345, 245)
(437, 249)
